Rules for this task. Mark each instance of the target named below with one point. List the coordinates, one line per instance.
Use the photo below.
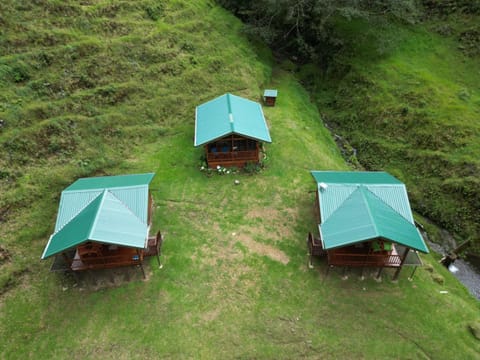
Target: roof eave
(231, 133)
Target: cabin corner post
(159, 248)
(140, 258)
(404, 257)
(413, 273)
(67, 259)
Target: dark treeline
(310, 29)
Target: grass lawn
(235, 281)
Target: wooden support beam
(413, 272)
(67, 259)
(379, 273)
(404, 257)
(141, 264)
(328, 270)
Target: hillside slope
(414, 111)
(235, 281)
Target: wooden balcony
(354, 256)
(232, 158)
(361, 257)
(107, 259)
(93, 256)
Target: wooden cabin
(231, 129)
(364, 220)
(270, 97)
(104, 222)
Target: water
(466, 271)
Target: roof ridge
(362, 189)
(230, 113)
(79, 211)
(388, 205)
(95, 220)
(127, 207)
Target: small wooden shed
(104, 222)
(231, 129)
(364, 220)
(270, 97)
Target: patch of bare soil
(263, 249)
(211, 315)
(274, 219)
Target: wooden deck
(232, 158)
(354, 256)
(351, 256)
(103, 256)
(111, 258)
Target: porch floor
(352, 256)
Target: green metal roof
(111, 182)
(355, 177)
(112, 215)
(229, 114)
(270, 93)
(362, 206)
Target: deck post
(328, 269)
(404, 257)
(159, 248)
(141, 264)
(76, 276)
(413, 273)
(379, 273)
(67, 259)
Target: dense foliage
(308, 29)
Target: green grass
(235, 282)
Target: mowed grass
(235, 282)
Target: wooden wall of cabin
(232, 150)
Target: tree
(307, 28)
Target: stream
(466, 271)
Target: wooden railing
(352, 259)
(233, 155)
(315, 246)
(106, 262)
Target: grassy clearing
(414, 112)
(235, 281)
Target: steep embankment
(415, 111)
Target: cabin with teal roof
(231, 129)
(104, 222)
(364, 220)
